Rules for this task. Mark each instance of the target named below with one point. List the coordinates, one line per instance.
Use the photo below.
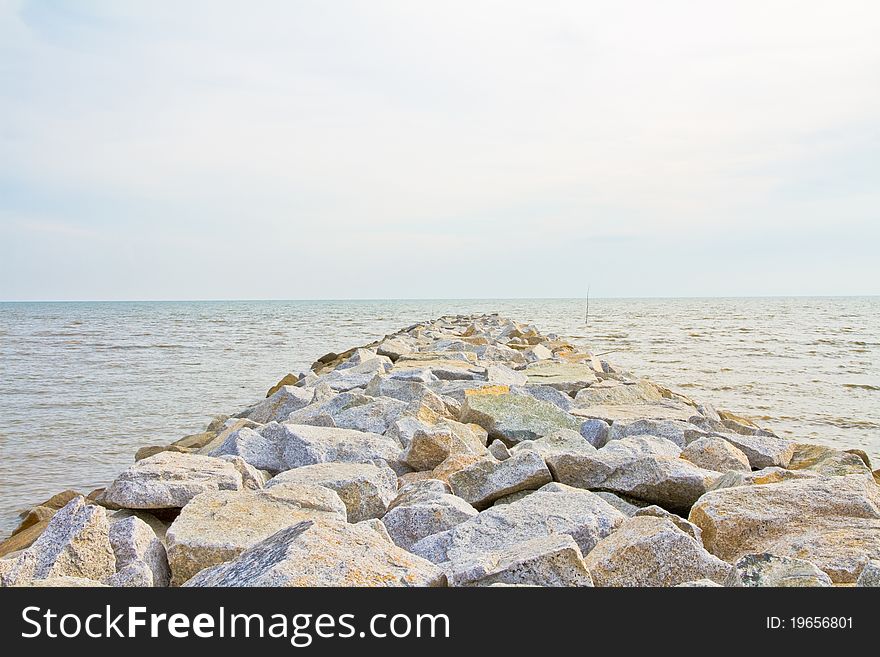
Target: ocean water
(83, 385)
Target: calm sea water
(83, 385)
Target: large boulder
(676, 431)
(642, 467)
(514, 418)
(430, 444)
(216, 527)
(323, 553)
(762, 570)
(553, 560)
(870, 574)
(280, 404)
(75, 543)
(554, 509)
(139, 553)
(169, 480)
(827, 461)
(833, 522)
(425, 508)
(366, 489)
(566, 377)
(278, 447)
(618, 393)
(715, 453)
(763, 451)
(610, 413)
(484, 482)
(651, 551)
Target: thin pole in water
(587, 307)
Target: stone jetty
(466, 451)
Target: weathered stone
(618, 393)
(828, 461)
(769, 570)
(279, 447)
(365, 489)
(231, 426)
(553, 560)
(169, 480)
(424, 512)
(219, 526)
(596, 432)
(643, 467)
(62, 581)
(699, 584)
(627, 506)
(430, 445)
(774, 475)
(281, 404)
(484, 482)
(514, 418)
(152, 450)
(833, 522)
(137, 574)
(649, 551)
(714, 453)
(358, 376)
(374, 524)
(23, 539)
(289, 379)
(611, 413)
(499, 450)
(553, 445)
(686, 526)
(323, 553)
(561, 510)
(396, 346)
(75, 543)
(763, 451)
(680, 433)
(547, 394)
(135, 544)
(870, 575)
(567, 377)
(536, 353)
(374, 416)
(503, 375)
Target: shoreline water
(498, 424)
(84, 385)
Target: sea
(83, 385)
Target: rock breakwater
(465, 451)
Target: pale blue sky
(379, 149)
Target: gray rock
(553, 560)
(714, 453)
(139, 550)
(279, 447)
(559, 510)
(686, 526)
(216, 527)
(627, 507)
(833, 522)
(548, 394)
(649, 551)
(596, 432)
(75, 543)
(536, 353)
(870, 575)
(514, 418)
(499, 450)
(567, 377)
(281, 404)
(485, 481)
(643, 467)
(420, 513)
(763, 451)
(325, 553)
(365, 489)
(430, 445)
(680, 433)
(502, 375)
(618, 393)
(769, 570)
(699, 583)
(169, 480)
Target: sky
(457, 149)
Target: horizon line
(343, 299)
